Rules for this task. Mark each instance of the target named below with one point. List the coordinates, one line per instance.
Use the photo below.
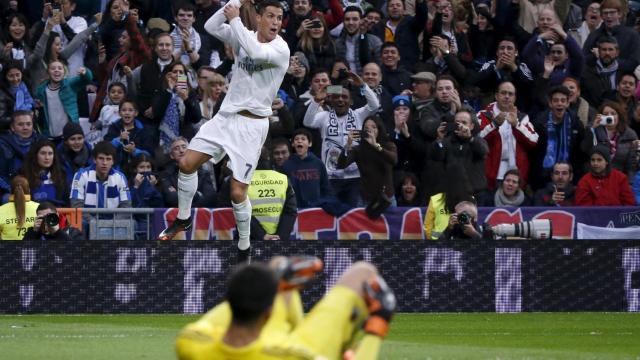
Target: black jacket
(468, 154)
(406, 35)
(628, 40)
(150, 85)
(205, 195)
(68, 233)
(396, 80)
(538, 176)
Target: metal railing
(112, 224)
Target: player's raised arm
(216, 24)
(265, 46)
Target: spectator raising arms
(59, 98)
(132, 52)
(15, 42)
(179, 104)
(610, 129)
(317, 45)
(376, 155)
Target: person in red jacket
(603, 186)
(509, 134)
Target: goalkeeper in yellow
(262, 316)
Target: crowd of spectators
(523, 102)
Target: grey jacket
(374, 45)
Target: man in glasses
(613, 25)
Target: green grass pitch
(412, 336)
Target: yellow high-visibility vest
(437, 218)
(267, 193)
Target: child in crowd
(143, 186)
(110, 112)
(128, 135)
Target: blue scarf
(551, 156)
(46, 190)
(24, 101)
(170, 126)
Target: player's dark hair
(105, 148)
(262, 5)
(251, 290)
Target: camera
(51, 219)
(451, 127)
(607, 120)
(125, 142)
(364, 134)
(464, 218)
(534, 229)
(315, 24)
(343, 74)
(147, 174)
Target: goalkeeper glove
(296, 271)
(381, 303)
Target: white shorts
(235, 135)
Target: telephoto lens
(464, 218)
(52, 219)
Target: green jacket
(68, 96)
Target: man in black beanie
(74, 151)
(71, 129)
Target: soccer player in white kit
(240, 128)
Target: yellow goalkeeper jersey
(324, 334)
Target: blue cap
(401, 100)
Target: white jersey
(258, 69)
(334, 131)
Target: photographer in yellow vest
(442, 205)
(273, 201)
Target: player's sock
(242, 213)
(187, 187)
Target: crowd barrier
(395, 224)
(427, 276)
